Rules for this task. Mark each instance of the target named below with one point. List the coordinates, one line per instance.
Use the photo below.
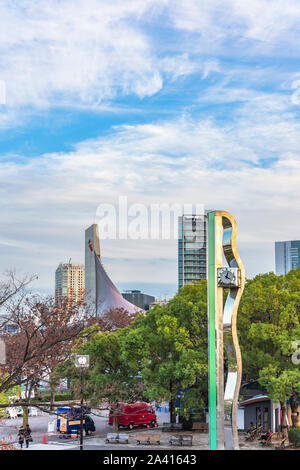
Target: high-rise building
(136, 297)
(191, 249)
(92, 247)
(69, 283)
(287, 256)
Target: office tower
(136, 297)
(101, 294)
(69, 283)
(287, 256)
(92, 247)
(191, 249)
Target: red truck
(134, 414)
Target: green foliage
(193, 403)
(58, 397)
(169, 346)
(294, 436)
(166, 349)
(5, 398)
(109, 376)
(269, 323)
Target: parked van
(68, 421)
(134, 414)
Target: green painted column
(212, 331)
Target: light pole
(82, 362)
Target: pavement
(39, 426)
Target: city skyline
(161, 102)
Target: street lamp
(82, 362)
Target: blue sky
(160, 100)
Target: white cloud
(86, 53)
(48, 201)
(76, 52)
(269, 23)
(210, 66)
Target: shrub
(294, 436)
(58, 397)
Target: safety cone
(44, 439)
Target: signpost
(82, 362)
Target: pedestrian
(27, 435)
(251, 428)
(266, 435)
(21, 436)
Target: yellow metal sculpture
(223, 329)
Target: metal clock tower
(222, 329)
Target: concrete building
(69, 282)
(287, 256)
(136, 297)
(91, 247)
(191, 249)
(262, 411)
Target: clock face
(228, 277)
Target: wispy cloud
(267, 23)
(50, 200)
(230, 139)
(65, 53)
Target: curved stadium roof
(108, 296)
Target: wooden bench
(200, 427)
(181, 439)
(148, 438)
(116, 438)
(142, 438)
(154, 438)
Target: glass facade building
(287, 256)
(192, 244)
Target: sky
(161, 101)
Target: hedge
(58, 397)
(294, 436)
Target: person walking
(21, 435)
(27, 435)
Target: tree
(41, 335)
(109, 378)
(12, 285)
(282, 387)
(169, 346)
(269, 323)
(113, 320)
